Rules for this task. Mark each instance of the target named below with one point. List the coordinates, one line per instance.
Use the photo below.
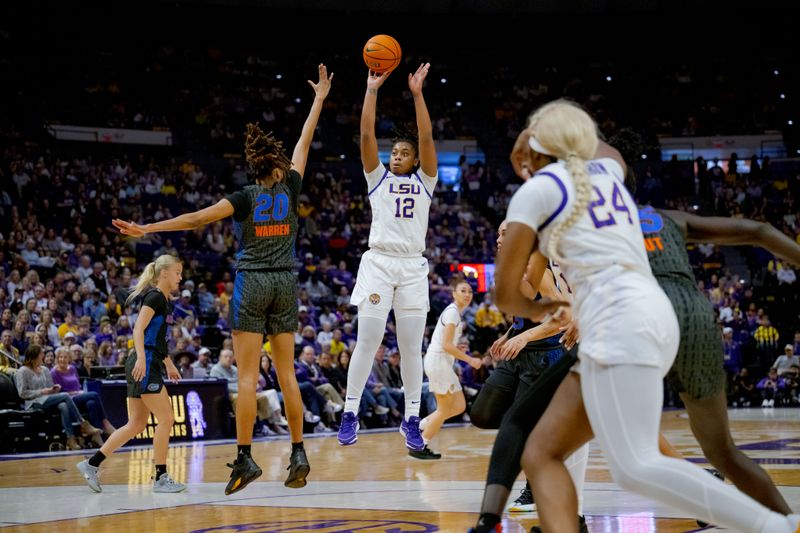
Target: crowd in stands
(65, 274)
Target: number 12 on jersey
(405, 208)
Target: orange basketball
(382, 53)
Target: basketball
(382, 53)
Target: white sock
(576, 464)
(370, 335)
(410, 330)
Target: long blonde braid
(566, 131)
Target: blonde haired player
(438, 364)
(578, 211)
(393, 274)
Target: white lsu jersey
(606, 235)
(400, 206)
(624, 317)
(450, 315)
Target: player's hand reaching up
(416, 80)
(323, 86)
(375, 80)
(132, 229)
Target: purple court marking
(780, 444)
(773, 461)
(326, 526)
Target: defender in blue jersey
(265, 290)
(145, 374)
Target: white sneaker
(381, 410)
(322, 428)
(333, 408)
(91, 474)
(771, 403)
(282, 422)
(765, 403)
(310, 417)
(167, 484)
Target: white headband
(533, 143)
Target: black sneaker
(298, 470)
(523, 504)
(245, 470)
(716, 473)
(425, 454)
(582, 527)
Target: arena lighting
(608, 78)
(644, 156)
(775, 72)
(783, 96)
(695, 207)
(279, 76)
(443, 80)
(790, 122)
(458, 104)
(297, 100)
(341, 156)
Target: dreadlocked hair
(264, 152)
(568, 132)
(404, 135)
(630, 146)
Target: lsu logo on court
(274, 230)
(374, 298)
(326, 526)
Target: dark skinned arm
(736, 231)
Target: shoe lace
(525, 495)
(413, 430)
(168, 481)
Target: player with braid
(265, 288)
(580, 213)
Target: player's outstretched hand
(323, 86)
(416, 80)
(131, 229)
(375, 80)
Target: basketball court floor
(372, 486)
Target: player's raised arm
(368, 141)
(188, 221)
(427, 149)
(737, 231)
(321, 89)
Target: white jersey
(604, 258)
(607, 234)
(400, 206)
(450, 315)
